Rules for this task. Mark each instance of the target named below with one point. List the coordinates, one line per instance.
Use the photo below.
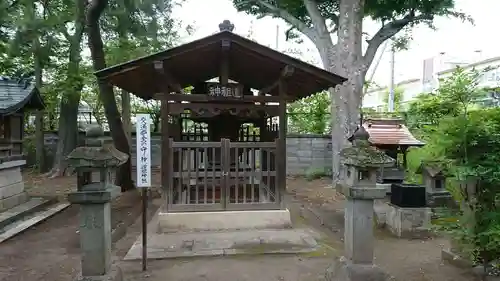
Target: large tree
(321, 20)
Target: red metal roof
(390, 132)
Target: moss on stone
(361, 154)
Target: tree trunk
(106, 95)
(39, 134)
(345, 59)
(126, 115)
(68, 113)
(68, 133)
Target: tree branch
(281, 13)
(387, 31)
(317, 19)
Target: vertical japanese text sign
(143, 150)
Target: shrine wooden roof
(250, 63)
(16, 94)
(390, 132)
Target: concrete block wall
(304, 151)
(308, 152)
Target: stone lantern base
(114, 274)
(343, 270)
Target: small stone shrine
(435, 185)
(17, 96)
(95, 197)
(362, 162)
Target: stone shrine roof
(16, 94)
(431, 168)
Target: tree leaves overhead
(383, 11)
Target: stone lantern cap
(106, 156)
(97, 153)
(361, 154)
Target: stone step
(21, 225)
(226, 243)
(32, 205)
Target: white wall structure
(434, 69)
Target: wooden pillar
(165, 150)
(281, 155)
(224, 70)
(404, 149)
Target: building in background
(434, 69)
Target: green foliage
(455, 96)
(130, 28)
(310, 115)
(466, 143)
(420, 11)
(429, 109)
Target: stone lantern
(361, 163)
(94, 194)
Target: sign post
(143, 155)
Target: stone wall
(304, 152)
(308, 153)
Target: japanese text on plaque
(143, 151)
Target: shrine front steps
(226, 243)
(223, 220)
(185, 243)
(25, 215)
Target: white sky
(453, 37)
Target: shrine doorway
(223, 176)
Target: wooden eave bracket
(287, 72)
(171, 81)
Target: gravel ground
(407, 260)
(50, 251)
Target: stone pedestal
(345, 270)
(11, 185)
(408, 222)
(358, 235)
(95, 229)
(439, 198)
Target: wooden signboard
(224, 91)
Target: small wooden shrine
(224, 142)
(393, 137)
(17, 96)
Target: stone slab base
(344, 270)
(440, 199)
(32, 205)
(225, 243)
(454, 259)
(408, 222)
(11, 185)
(229, 220)
(13, 201)
(386, 186)
(115, 274)
(19, 226)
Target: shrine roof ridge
(17, 93)
(194, 61)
